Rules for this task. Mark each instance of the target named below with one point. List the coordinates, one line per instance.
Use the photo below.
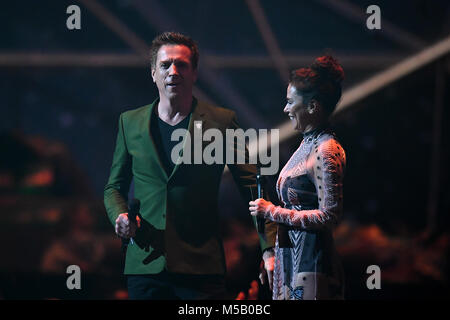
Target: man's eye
(181, 64)
(165, 65)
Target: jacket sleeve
(245, 177)
(116, 190)
(328, 173)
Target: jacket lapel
(148, 143)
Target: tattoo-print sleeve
(328, 173)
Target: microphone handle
(260, 221)
(132, 216)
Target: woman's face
(300, 114)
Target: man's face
(173, 72)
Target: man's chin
(176, 93)
(173, 93)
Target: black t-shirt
(162, 133)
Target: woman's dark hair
(174, 38)
(322, 81)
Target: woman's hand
(259, 207)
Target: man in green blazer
(177, 250)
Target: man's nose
(286, 110)
(173, 69)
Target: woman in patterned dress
(304, 263)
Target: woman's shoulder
(328, 146)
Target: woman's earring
(314, 107)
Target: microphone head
(134, 205)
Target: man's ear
(195, 74)
(153, 74)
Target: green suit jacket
(180, 222)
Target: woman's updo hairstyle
(321, 81)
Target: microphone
(260, 185)
(133, 210)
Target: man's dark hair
(174, 38)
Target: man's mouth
(291, 116)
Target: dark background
(63, 90)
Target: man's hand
(267, 268)
(125, 228)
